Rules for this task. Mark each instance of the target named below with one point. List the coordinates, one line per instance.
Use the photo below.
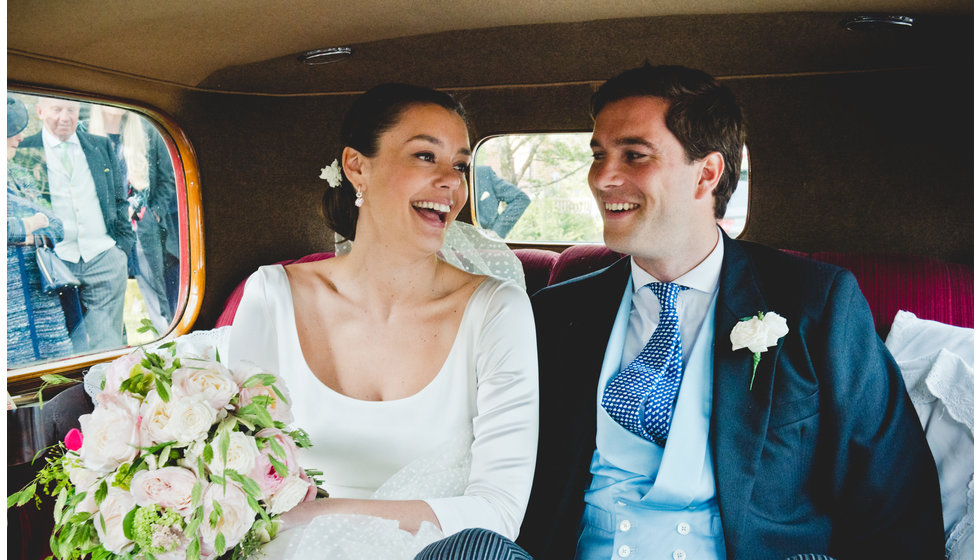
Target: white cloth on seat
(486, 393)
(444, 474)
(936, 361)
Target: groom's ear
(353, 162)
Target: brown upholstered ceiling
(183, 42)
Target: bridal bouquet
(181, 458)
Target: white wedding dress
(465, 443)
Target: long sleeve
(516, 202)
(19, 208)
(505, 428)
(893, 515)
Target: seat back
(227, 316)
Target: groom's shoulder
(785, 265)
(610, 279)
(790, 276)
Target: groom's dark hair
(372, 114)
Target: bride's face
(415, 185)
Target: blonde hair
(134, 144)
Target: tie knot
(666, 292)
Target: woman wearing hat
(36, 328)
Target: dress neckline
(294, 333)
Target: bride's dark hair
(371, 115)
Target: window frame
(23, 381)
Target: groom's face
(645, 186)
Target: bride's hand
(302, 514)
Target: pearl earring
(359, 201)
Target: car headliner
(182, 42)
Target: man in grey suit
(82, 180)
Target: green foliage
(49, 380)
(51, 479)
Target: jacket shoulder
(784, 266)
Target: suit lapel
(587, 335)
(739, 417)
(99, 168)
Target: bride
(416, 380)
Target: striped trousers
(103, 293)
(473, 544)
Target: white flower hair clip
(758, 333)
(332, 174)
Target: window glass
(738, 205)
(93, 236)
(534, 188)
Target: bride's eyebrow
(425, 138)
(433, 140)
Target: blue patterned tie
(641, 398)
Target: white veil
(472, 249)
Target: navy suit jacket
(824, 455)
(110, 184)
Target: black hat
(16, 116)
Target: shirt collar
(703, 277)
(52, 141)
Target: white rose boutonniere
(331, 174)
(758, 333)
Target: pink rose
(293, 490)
(73, 439)
(120, 369)
(278, 409)
(170, 487)
(264, 473)
(235, 520)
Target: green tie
(65, 158)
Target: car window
(97, 246)
(534, 188)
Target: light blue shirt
(646, 501)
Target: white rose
(235, 520)
(291, 492)
(190, 419)
(210, 380)
(191, 453)
(112, 511)
(751, 334)
(775, 327)
(84, 480)
(156, 419)
(242, 453)
(111, 438)
(170, 487)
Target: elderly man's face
(59, 116)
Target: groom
(657, 439)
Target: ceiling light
(325, 56)
(877, 22)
